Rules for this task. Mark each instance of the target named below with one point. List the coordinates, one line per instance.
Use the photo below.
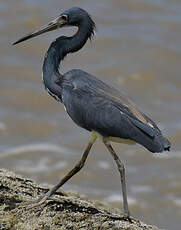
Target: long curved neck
(56, 53)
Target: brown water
(137, 48)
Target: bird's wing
(122, 103)
(149, 130)
(98, 100)
(94, 105)
(130, 113)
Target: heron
(92, 104)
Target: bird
(92, 104)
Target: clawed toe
(32, 204)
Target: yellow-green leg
(75, 170)
(121, 169)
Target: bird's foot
(124, 217)
(33, 204)
(127, 217)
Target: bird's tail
(156, 144)
(163, 142)
(166, 144)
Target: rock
(64, 211)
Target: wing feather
(101, 94)
(94, 105)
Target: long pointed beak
(53, 25)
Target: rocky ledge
(64, 211)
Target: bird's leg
(75, 170)
(121, 169)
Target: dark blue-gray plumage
(91, 103)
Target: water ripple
(34, 148)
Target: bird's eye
(64, 17)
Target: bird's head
(71, 17)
